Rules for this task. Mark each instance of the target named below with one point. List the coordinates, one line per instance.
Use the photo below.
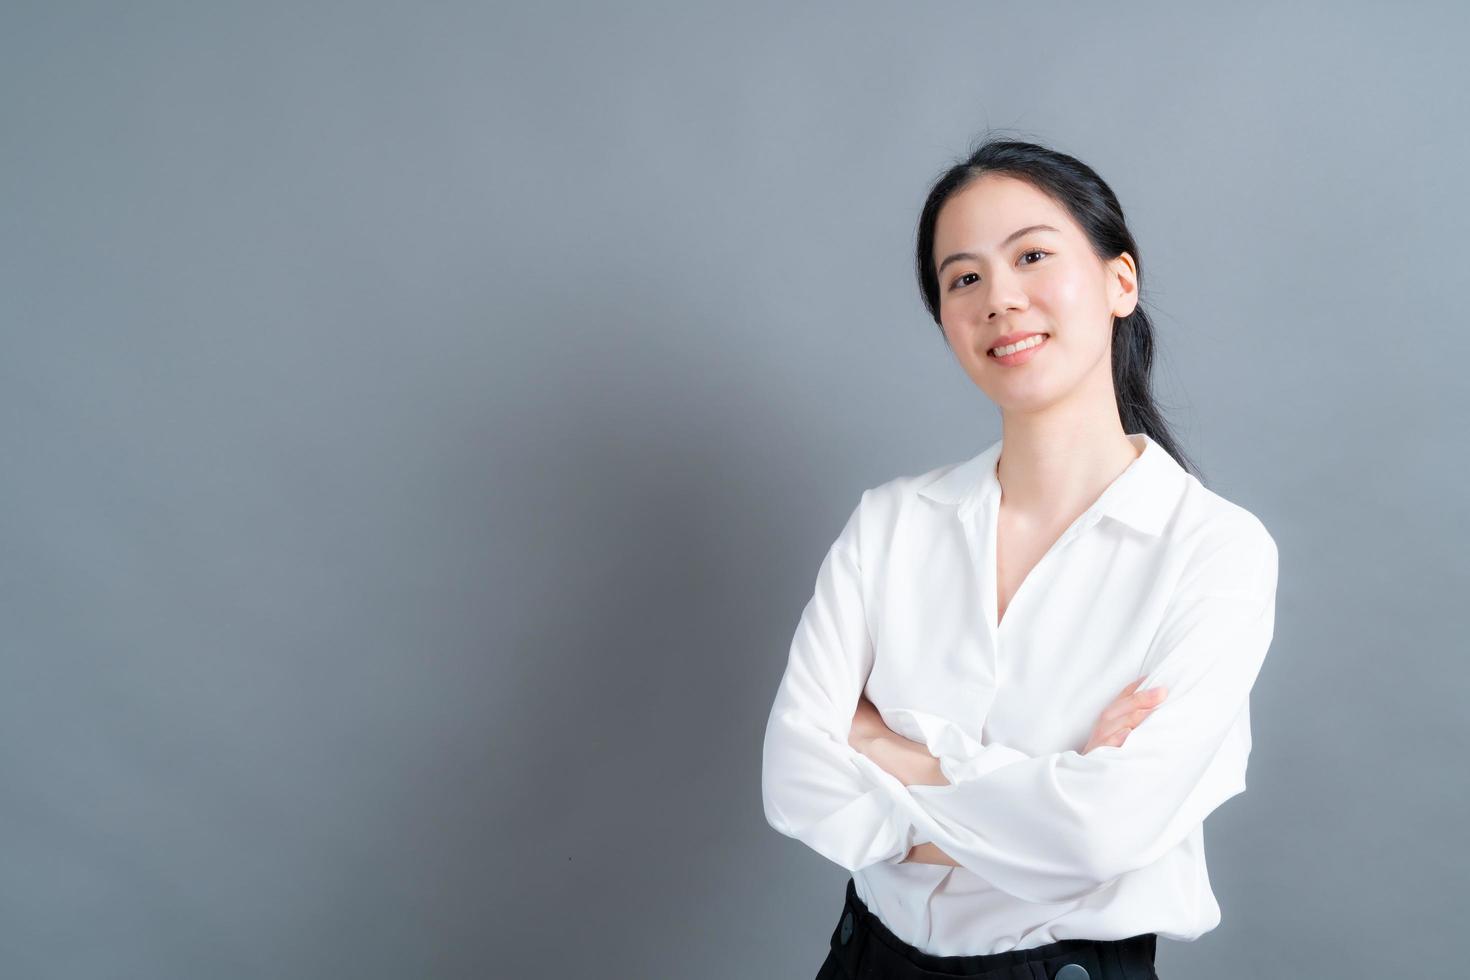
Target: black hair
(1093, 205)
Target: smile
(1019, 352)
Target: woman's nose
(1004, 297)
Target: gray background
(422, 423)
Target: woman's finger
(1151, 698)
(1115, 738)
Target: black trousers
(863, 948)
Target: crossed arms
(1045, 828)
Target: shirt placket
(981, 525)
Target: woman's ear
(1123, 284)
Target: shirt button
(1072, 972)
(846, 928)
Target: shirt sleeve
(1057, 827)
(816, 788)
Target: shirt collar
(1142, 496)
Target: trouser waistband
(868, 948)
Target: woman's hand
(1126, 713)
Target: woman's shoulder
(1227, 546)
(903, 508)
(908, 484)
(892, 496)
(1209, 513)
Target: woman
(1022, 681)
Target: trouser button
(1072, 971)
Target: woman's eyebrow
(958, 256)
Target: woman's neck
(1050, 470)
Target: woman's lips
(1020, 356)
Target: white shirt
(1160, 578)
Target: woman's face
(1045, 280)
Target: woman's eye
(968, 275)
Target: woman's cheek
(1057, 293)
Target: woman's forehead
(982, 215)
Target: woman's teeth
(1031, 341)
